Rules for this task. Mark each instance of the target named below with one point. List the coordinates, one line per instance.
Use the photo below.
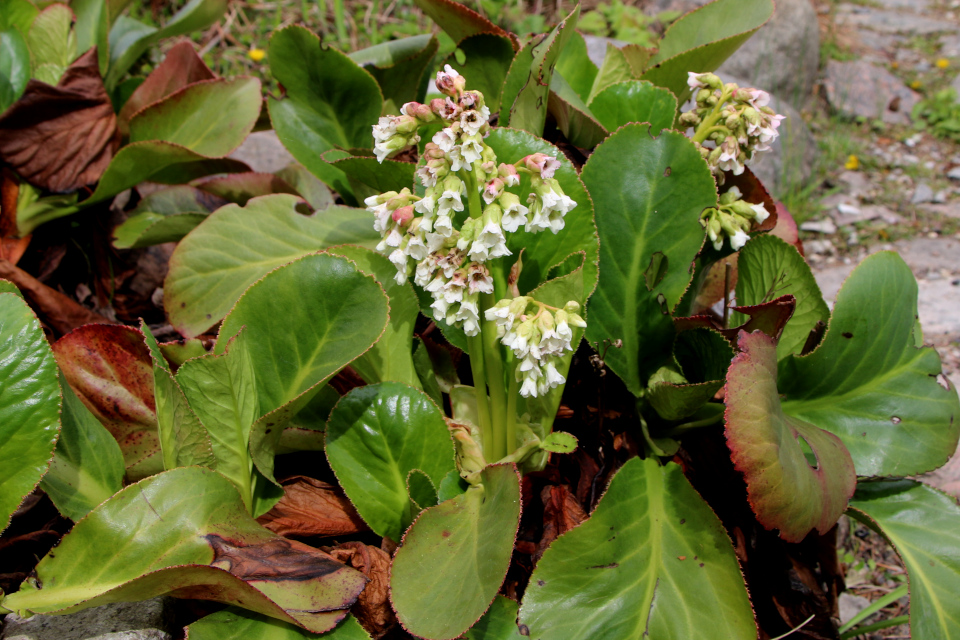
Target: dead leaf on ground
(561, 512)
(372, 609)
(62, 138)
(311, 507)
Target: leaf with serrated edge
(634, 101)
(235, 246)
(400, 66)
(652, 561)
(455, 556)
(457, 20)
(486, 61)
(29, 403)
(867, 382)
(648, 194)
(923, 525)
(787, 491)
(498, 623)
(185, 532)
(376, 436)
(234, 623)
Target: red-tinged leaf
(63, 137)
(181, 67)
(786, 228)
(460, 22)
(788, 489)
(769, 317)
(372, 609)
(109, 368)
(59, 312)
(11, 246)
(755, 193)
(312, 508)
(240, 187)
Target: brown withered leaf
(311, 507)
(561, 512)
(181, 67)
(770, 317)
(11, 247)
(372, 610)
(59, 312)
(63, 137)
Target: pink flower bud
(509, 174)
(449, 81)
(543, 164)
(403, 215)
(493, 190)
(421, 112)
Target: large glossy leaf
(527, 86)
(17, 14)
(14, 67)
(389, 175)
(457, 20)
(486, 60)
(29, 403)
(165, 216)
(391, 358)
(109, 368)
(52, 43)
(634, 101)
(87, 466)
(614, 69)
(647, 194)
(92, 29)
(332, 313)
(222, 391)
(787, 489)
(330, 101)
(769, 267)
(543, 251)
(400, 66)
(924, 527)
(573, 117)
(652, 561)
(498, 623)
(185, 532)
(701, 40)
(376, 436)
(455, 556)
(234, 623)
(236, 246)
(867, 382)
(576, 67)
(703, 356)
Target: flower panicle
(732, 219)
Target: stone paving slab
(886, 21)
(147, 620)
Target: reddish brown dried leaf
(755, 193)
(372, 609)
(11, 247)
(58, 311)
(311, 507)
(561, 512)
(109, 368)
(769, 317)
(61, 138)
(240, 187)
(181, 67)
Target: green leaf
(166, 215)
(93, 29)
(17, 14)
(867, 382)
(110, 369)
(236, 246)
(29, 403)
(648, 194)
(701, 40)
(498, 623)
(332, 314)
(457, 20)
(615, 69)
(129, 39)
(87, 466)
(183, 439)
(186, 530)
(576, 67)
(559, 442)
(486, 60)
(923, 525)
(312, 190)
(14, 67)
(703, 356)
(769, 268)
(376, 436)
(542, 251)
(423, 365)
(572, 115)
(527, 87)
(391, 358)
(788, 489)
(390, 175)
(234, 623)
(652, 561)
(52, 41)
(222, 391)
(330, 101)
(400, 66)
(455, 556)
(8, 287)
(634, 101)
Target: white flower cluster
(538, 339)
(736, 120)
(432, 237)
(732, 219)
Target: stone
(940, 197)
(950, 45)
(147, 620)
(923, 193)
(954, 174)
(886, 21)
(597, 47)
(948, 209)
(857, 182)
(851, 605)
(860, 89)
(792, 157)
(263, 152)
(819, 226)
(903, 4)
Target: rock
(264, 152)
(819, 226)
(857, 182)
(782, 57)
(147, 620)
(954, 174)
(860, 89)
(950, 45)
(851, 605)
(597, 47)
(949, 209)
(923, 193)
(792, 157)
(819, 247)
(940, 197)
(955, 85)
(903, 4)
(885, 21)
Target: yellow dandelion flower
(916, 84)
(256, 54)
(852, 163)
(894, 65)
(943, 63)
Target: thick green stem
(475, 344)
(513, 392)
(493, 358)
(707, 126)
